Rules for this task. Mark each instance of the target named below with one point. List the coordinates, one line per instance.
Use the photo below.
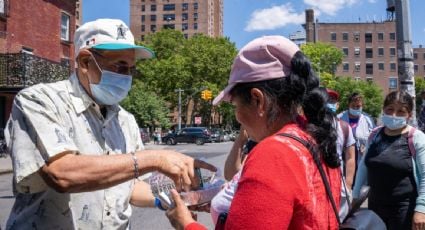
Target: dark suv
(197, 135)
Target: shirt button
(108, 213)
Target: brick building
(370, 49)
(36, 45)
(189, 16)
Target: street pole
(405, 52)
(179, 90)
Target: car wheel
(171, 141)
(199, 141)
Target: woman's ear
(258, 100)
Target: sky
(245, 20)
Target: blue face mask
(355, 112)
(394, 122)
(331, 107)
(112, 88)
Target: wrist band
(136, 165)
(158, 204)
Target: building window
(369, 53)
(143, 18)
(369, 68)
(143, 28)
(345, 36)
(333, 36)
(195, 16)
(169, 26)
(392, 66)
(143, 8)
(380, 37)
(185, 26)
(416, 68)
(357, 78)
(195, 6)
(142, 37)
(356, 51)
(356, 36)
(381, 66)
(186, 36)
(369, 79)
(415, 56)
(153, 28)
(423, 56)
(393, 83)
(195, 26)
(392, 51)
(185, 6)
(368, 37)
(169, 7)
(357, 66)
(345, 51)
(153, 18)
(345, 66)
(380, 51)
(392, 36)
(169, 17)
(424, 67)
(153, 8)
(65, 18)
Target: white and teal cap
(108, 34)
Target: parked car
(217, 135)
(233, 135)
(145, 136)
(197, 135)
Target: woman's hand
(179, 216)
(418, 222)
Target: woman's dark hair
(400, 97)
(354, 97)
(299, 88)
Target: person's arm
(68, 172)
(350, 165)
(234, 159)
(419, 216)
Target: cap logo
(121, 31)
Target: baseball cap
(264, 58)
(108, 34)
(332, 93)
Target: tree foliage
(323, 56)
(419, 87)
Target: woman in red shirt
(280, 187)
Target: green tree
(372, 94)
(323, 56)
(419, 87)
(148, 109)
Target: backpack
(410, 141)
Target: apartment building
(189, 16)
(370, 49)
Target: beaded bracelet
(136, 165)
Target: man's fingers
(204, 165)
(176, 197)
(186, 179)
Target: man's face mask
(112, 88)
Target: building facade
(36, 45)
(299, 37)
(190, 16)
(370, 49)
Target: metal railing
(20, 70)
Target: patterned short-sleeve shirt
(48, 119)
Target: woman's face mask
(394, 122)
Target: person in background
(346, 152)
(361, 123)
(78, 158)
(279, 186)
(395, 174)
(421, 117)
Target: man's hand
(418, 221)
(181, 169)
(179, 216)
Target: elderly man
(76, 153)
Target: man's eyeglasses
(117, 68)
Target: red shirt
(281, 188)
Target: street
(214, 153)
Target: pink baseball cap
(264, 58)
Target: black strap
(316, 158)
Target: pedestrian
(279, 186)
(361, 123)
(394, 167)
(78, 158)
(421, 117)
(346, 151)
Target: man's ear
(83, 60)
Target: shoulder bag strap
(410, 141)
(316, 159)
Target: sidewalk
(6, 163)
